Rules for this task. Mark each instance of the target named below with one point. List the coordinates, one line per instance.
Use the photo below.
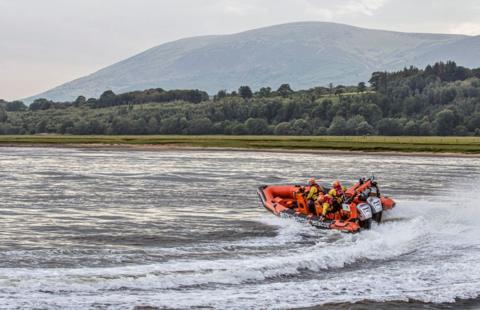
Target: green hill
(303, 54)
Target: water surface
(96, 229)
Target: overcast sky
(44, 43)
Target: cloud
(365, 7)
(467, 28)
(330, 10)
(321, 13)
(239, 8)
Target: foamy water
(117, 229)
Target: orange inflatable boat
(362, 205)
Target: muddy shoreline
(174, 147)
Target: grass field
(469, 145)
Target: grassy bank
(469, 145)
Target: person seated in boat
(312, 194)
(372, 191)
(338, 194)
(325, 205)
(375, 190)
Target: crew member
(375, 190)
(312, 195)
(325, 202)
(337, 193)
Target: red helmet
(336, 184)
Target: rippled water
(120, 229)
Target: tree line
(441, 99)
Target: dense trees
(245, 92)
(257, 126)
(442, 99)
(362, 87)
(41, 104)
(110, 99)
(12, 106)
(264, 92)
(3, 115)
(284, 90)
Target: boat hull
(279, 199)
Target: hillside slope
(303, 54)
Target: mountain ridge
(303, 54)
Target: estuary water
(170, 229)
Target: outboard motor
(377, 208)
(365, 215)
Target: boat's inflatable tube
(280, 200)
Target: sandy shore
(168, 147)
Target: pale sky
(44, 43)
